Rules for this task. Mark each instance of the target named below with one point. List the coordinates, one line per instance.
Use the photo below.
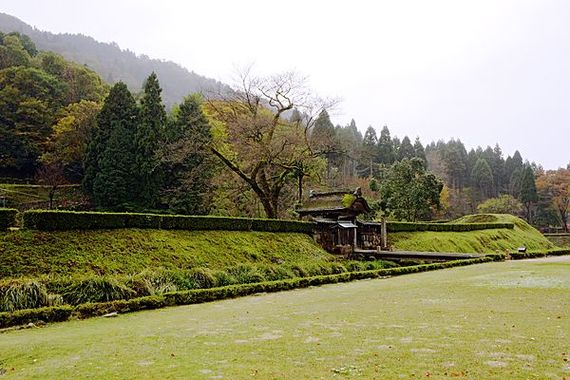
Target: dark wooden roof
(335, 204)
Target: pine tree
(188, 160)
(147, 140)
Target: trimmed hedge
(7, 218)
(44, 314)
(444, 227)
(50, 220)
(533, 255)
(53, 220)
(188, 297)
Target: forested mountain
(114, 64)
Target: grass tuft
(24, 294)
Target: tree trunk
(270, 212)
(300, 184)
(51, 194)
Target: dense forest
(253, 151)
(114, 64)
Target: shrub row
(537, 254)
(44, 314)
(7, 218)
(55, 314)
(24, 293)
(444, 227)
(50, 220)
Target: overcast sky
(486, 72)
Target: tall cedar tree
(323, 139)
(188, 161)
(528, 194)
(385, 147)
(369, 152)
(118, 119)
(406, 150)
(419, 150)
(114, 186)
(482, 178)
(148, 136)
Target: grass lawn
(500, 320)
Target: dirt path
(552, 259)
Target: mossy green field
(497, 320)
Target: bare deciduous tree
(256, 138)
(51, 175)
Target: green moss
(348, 200)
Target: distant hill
(115, 64)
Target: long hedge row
(61, 313)
(444, 227)
(7, 218)
(538, 254)
(49, 220)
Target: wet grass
(499, 320)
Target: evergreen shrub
(44, 314)
(51, 220)
(7, 218)
(537, 254)
(444, 227)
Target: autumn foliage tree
(555, 186)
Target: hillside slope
(125, 251)
(114, 64)
(485, 241)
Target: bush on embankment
(539, 254)
(50, 220)
(59, 313)
(7, 218)
(445, 227)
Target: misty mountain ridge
(114, 64)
